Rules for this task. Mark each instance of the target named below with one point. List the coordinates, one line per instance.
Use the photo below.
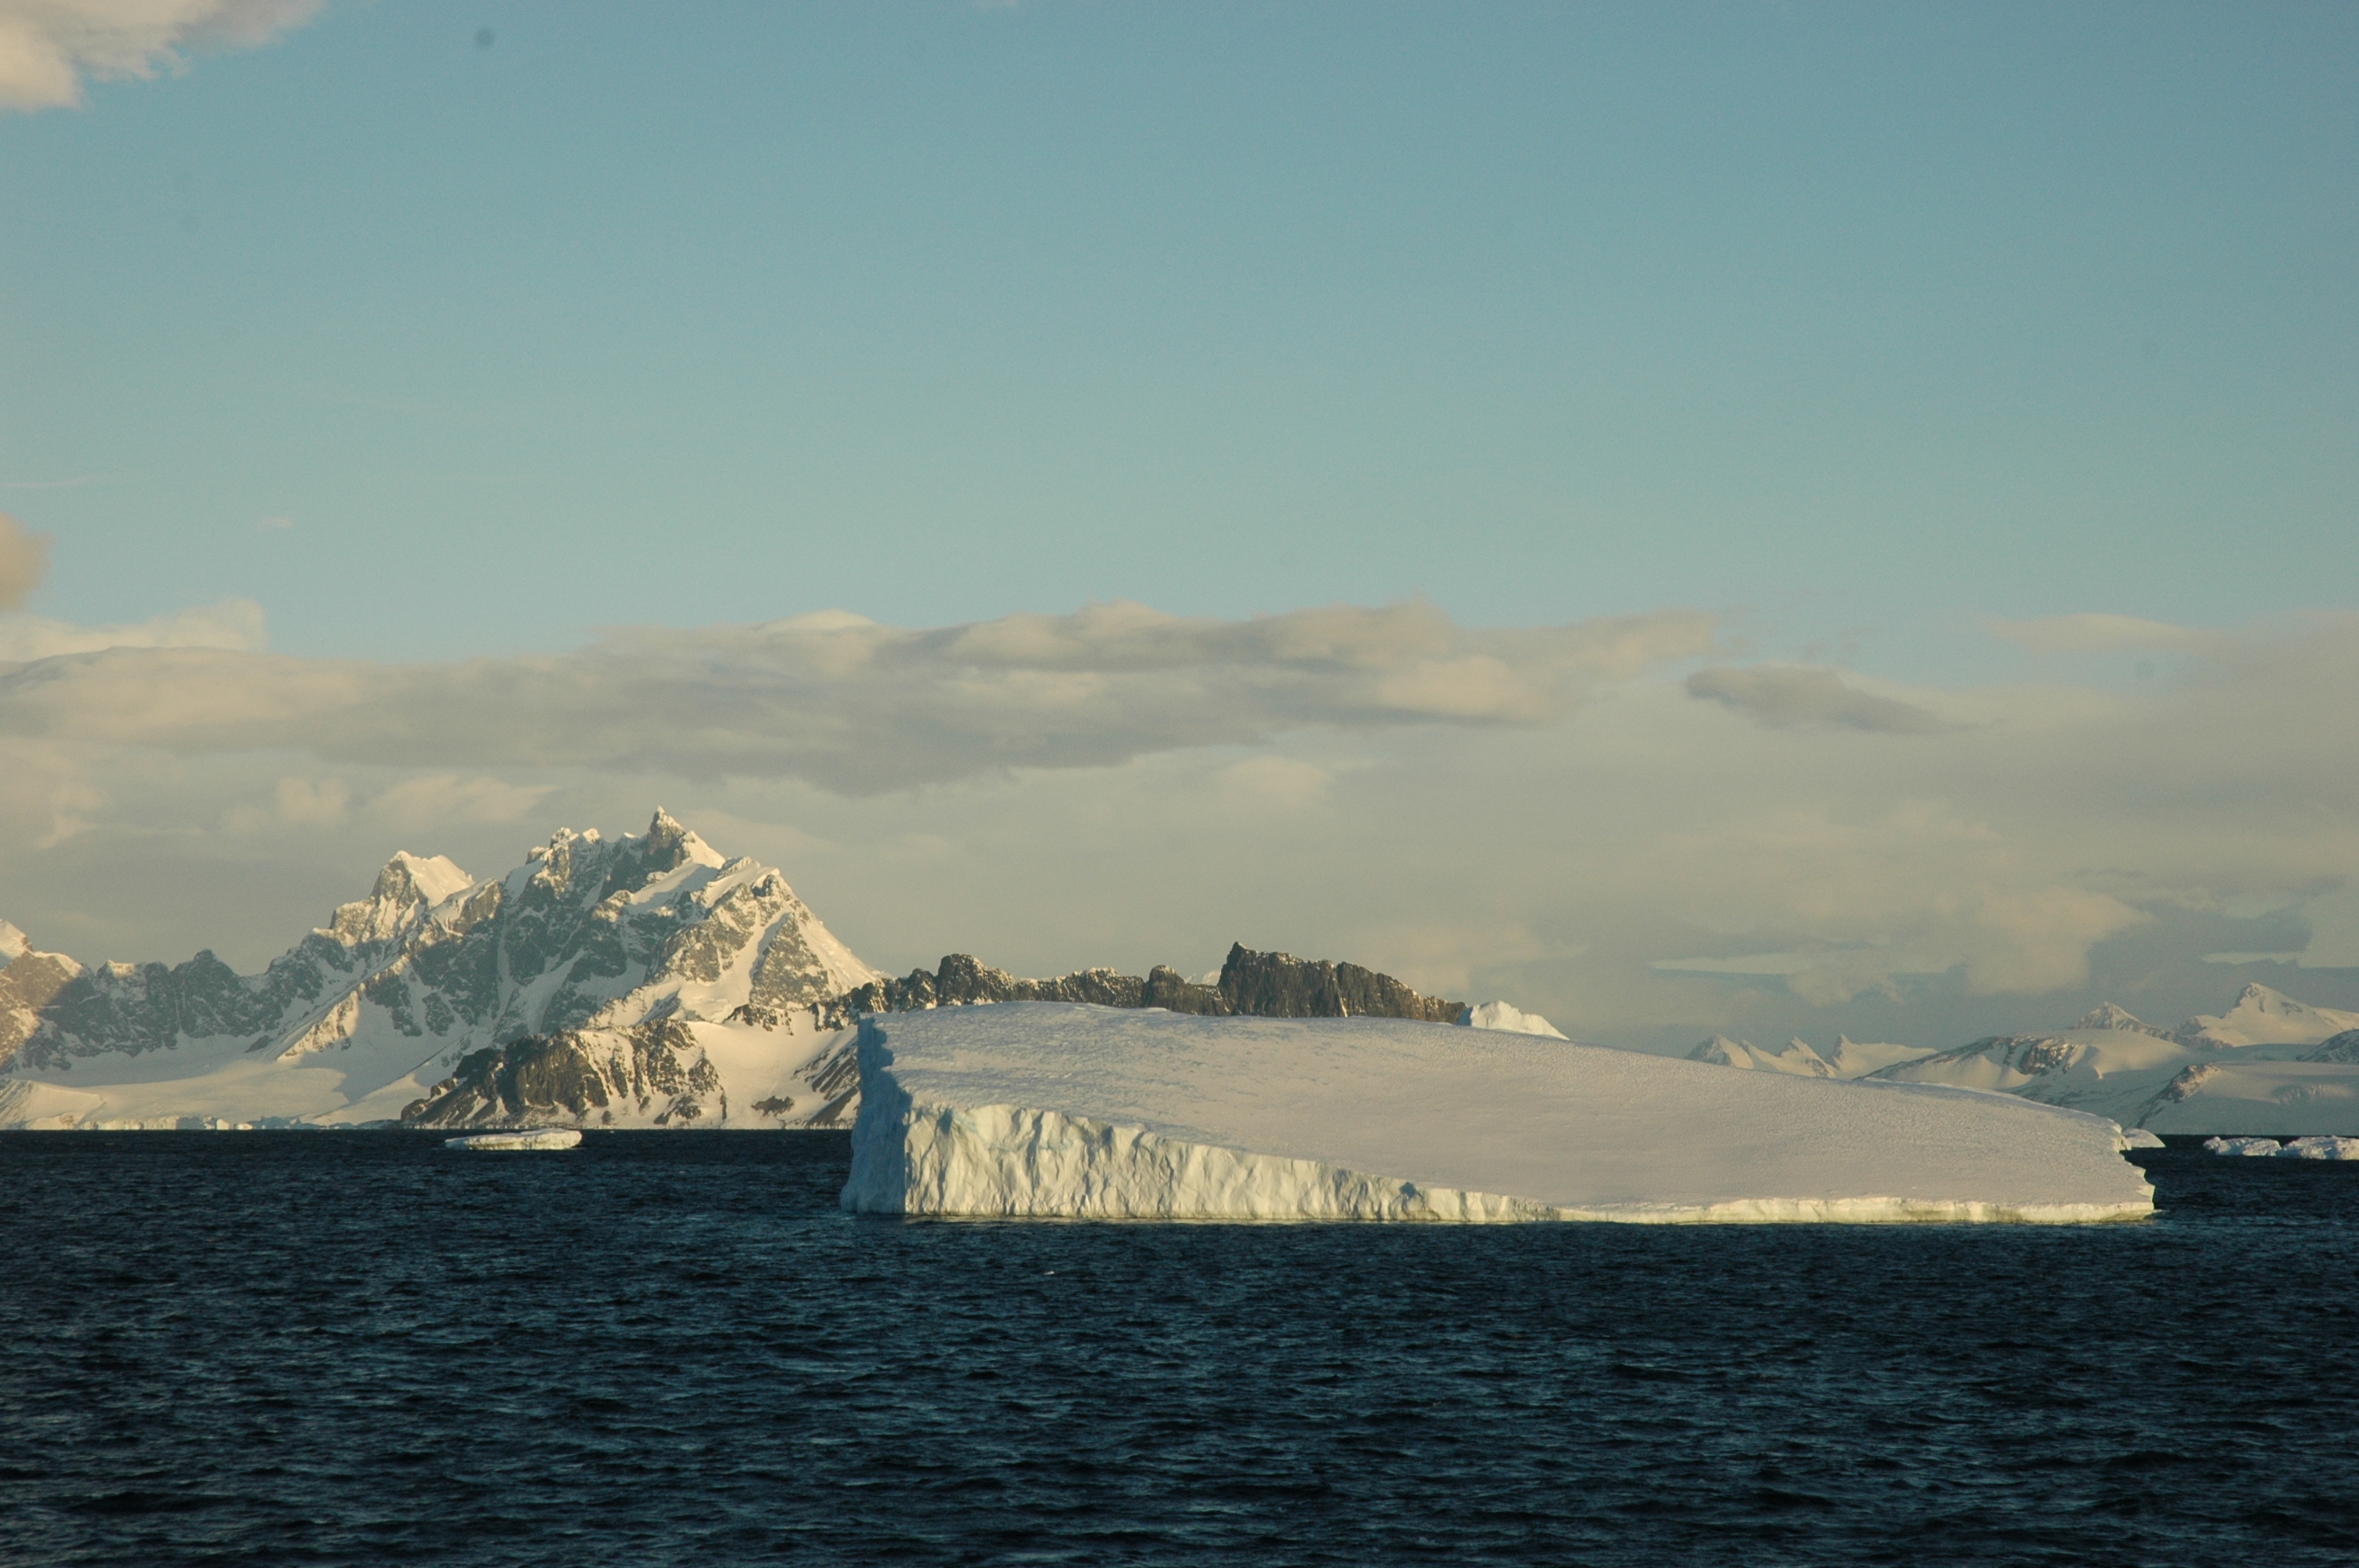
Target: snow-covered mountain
(2270, 1064)
(668, 957)
(2264, 1017)
(1850, 1058)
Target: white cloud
(49, 47)
(1274, 783)
(234, 623)
(24, 562)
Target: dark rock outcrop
(1260, 985)
(577, 1078)
(1278, 985)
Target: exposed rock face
(2343, 1047)
(1276, 985)
(1264, 985)
(654, 1073)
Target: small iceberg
(2252, 1147)
(540, 1138)
(2139, 1138)
(2297, 1149)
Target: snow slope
(1850, 1058)
(2275, 1099)
(2266, 1017)
(1796, 1059)
(1044, 1109)
(2210, 1075)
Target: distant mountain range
(2270, 1064)
(649, 982)
(640, 981)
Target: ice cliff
(1074, 1111)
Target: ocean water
(673, 1348)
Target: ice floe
(2321, 1148)
(542, 1138)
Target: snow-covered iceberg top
(1033, 1110)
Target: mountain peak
(427, 879)
(2110, 1017)
(671, 844)
(2266, 1017)
(14, 944)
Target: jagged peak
(14, 944)
(2109, 1016)
(670, 843)
(425, 879)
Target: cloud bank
(849, 705)
(1551, 815)
(49, 47)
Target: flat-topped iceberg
(1043, 1110)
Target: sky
(1737, 518)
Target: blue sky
(1985, 376)
(1857, 318)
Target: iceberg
(2254, 1148)
(542, 1138)
(1509, 1019)
(1048, 1110)
(2322, 1148)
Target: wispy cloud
(2094, 633)
(1788, 694)
(49, 47)
(74, 483)
(852, 705)
(233, 623)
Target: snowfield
(1040, 1110)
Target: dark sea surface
(671, 1347)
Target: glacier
(1055, 1110)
